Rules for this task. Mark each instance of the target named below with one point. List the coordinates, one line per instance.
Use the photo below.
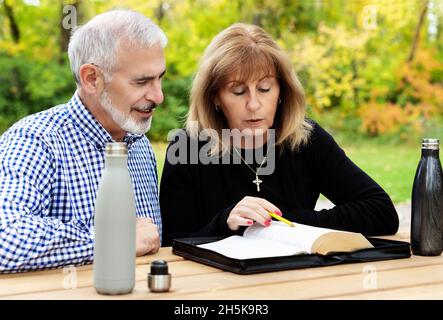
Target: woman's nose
(253, 103)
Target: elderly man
(51, 162)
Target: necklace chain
(257, 181)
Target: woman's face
(250, 105)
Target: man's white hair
(98, 40)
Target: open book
(280, 239)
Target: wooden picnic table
(413, 278)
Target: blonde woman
(248, 149)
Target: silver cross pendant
(257, 182)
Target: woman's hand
(251, 209)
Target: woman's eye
(264, 89)
(238, 92)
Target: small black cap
(159, 267)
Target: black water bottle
(427, 202)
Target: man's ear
(91, 78)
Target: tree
(420, 23)
(15, 31)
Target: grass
(391, 166)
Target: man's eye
(264, 89)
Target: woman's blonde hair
(248, 52)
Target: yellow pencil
(276, 216)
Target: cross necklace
(257, 181)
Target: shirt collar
(91, 128)
(131, 138)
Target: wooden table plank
(183, 285)
(416, 292)
(196, 281)
(43, 284)
(334, 286)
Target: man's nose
(155, 93)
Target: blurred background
(372, 70)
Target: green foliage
(351, 57)
(328, 67)
(190, 26)
(171, 113)
(28, 86)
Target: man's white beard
(124, 120)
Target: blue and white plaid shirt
(50, 166)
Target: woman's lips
(255, 122)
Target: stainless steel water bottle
(427, 202)
(115, 218)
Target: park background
(372, 69)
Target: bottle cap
(430, 143)
(159, 280)
(116, 148)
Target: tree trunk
(15, 79)
(160, 12)
(417, 31)
(15, 31)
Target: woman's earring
(279, 101)
(217, 107)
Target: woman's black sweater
(196, 199)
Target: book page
(300, 236)
(279, 239)
(238, 247)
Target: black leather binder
(383, 250)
